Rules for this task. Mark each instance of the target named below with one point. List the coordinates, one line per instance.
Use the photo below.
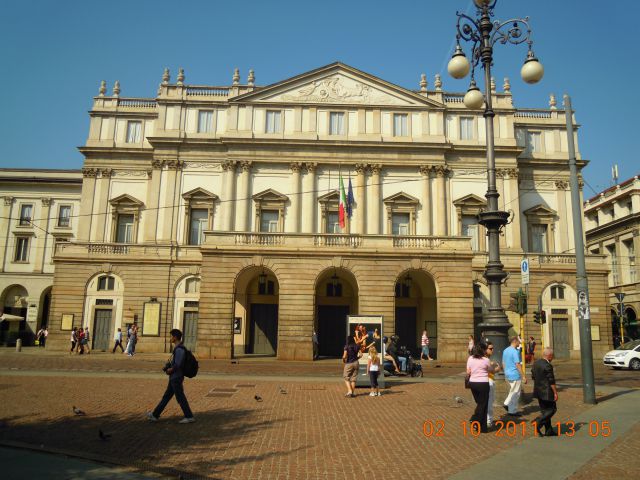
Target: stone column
(243, 216)
(293, 217)
(168, 205)
(41, 243)
(561, 198)
(425, 217)
(361, 190)
(374, 205)
(102, 210)
(5, 223)
(87, 199)
(309, 206)
(512, 202)
(229, 168)
(441, 196)
(153, 202)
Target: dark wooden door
(406, 328)
(102, 330)
(332, 329)
(190, 326)
(560, 330)
(263, 328)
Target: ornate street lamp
(483, 34)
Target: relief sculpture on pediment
(335, 89)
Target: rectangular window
(534, 142)
(199, 221)
(539, 238)
(64, 216)
(466, 128)
(124, 232)
(400, 224)
(400, 125)
(106, 283)
(134, 130)
(613, 263)
(266, 288)
(26, 213)
(269, 220)
(557, 292)
(272, 125)
(336, 123)
(333, 222)
(470, 229)
(22, 249)
(205, 121)
(631, 256)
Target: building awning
(10, 318)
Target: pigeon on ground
(282, 391)
(258, 398)
(77, 411)
(103, 436)
(458, 399)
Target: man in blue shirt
(176, 379)
(514, 375)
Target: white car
(626, 355)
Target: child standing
(373, 369)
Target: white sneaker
(187, 420)
(379, 393)
(151, 418)
(372, 394)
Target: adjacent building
(39, 209)
(215, 209)
(613, 229)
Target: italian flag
(342, 208)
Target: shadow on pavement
(135, 442)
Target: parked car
(626, 355)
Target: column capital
(360, 168)
(561, 184)
(106, 172)
(510, 173)
(426, 170)
(295, 167)
(46, 201)
(157, 164)
(311, 167)
(8, 200)
(375, 168)
(174, 164)
(89, 172)
(246, 166)
(442, 171)
(229, 165)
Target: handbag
(466, 381)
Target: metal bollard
(19, 345)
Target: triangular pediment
(401, 197)
(471, 200)
(199, 193)
(337, 84)
(270, 195)
(331, 196)
(125, 199)
(540, 211)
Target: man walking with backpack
(175, 368)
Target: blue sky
(54, 54)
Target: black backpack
(190, 366)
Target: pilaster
(309, 206)
(373, 205)
(360, 211)
(293, 217)
(426, 219)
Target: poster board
(371, 323)
(67, 321)
(151, 319)
(595, 333)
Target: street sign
(620, 296)
(524, 271)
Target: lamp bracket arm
(511, 31)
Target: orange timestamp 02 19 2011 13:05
(511, 429)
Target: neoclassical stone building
(215, 209)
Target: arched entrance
(336, 297)
(45, 305)
(255, 323)
(561, 331)
(416, 310)
(14, 314)
(104, 309)
(632, 329)
(186, 306)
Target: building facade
(214, 209)
(39, 209)
(613, 228)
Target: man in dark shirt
(544, 389)
(176, 379)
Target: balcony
(125, 251)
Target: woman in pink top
(479, 368)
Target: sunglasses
(489, 348)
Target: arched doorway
(416, 310)
(631, 329)
(561, 331)
(14, 313)
(104, 309)
(45, 305)
(186, 306)
(255, 323)
(336, 297)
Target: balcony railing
(105, 251)
(556, 258)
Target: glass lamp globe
(458, 65)
(532, 71)
(473, 99)
(481, 3)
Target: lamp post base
(495, 328)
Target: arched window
(557, 292)
(106, 282)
